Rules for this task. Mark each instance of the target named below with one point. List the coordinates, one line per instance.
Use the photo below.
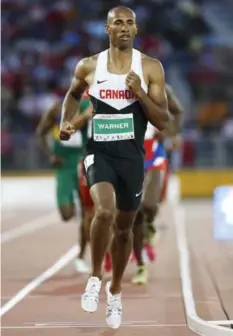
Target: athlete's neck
(119, 57)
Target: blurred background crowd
(42, 40)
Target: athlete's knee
(67, 213)
(66, 217)
(104, 215)
(123, 226)
(123, 234)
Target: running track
(36, 241)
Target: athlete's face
(121, 28)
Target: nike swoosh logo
(99, 82)
(139, 194)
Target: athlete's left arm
(154, 102)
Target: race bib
(113, 127)
(74, 141)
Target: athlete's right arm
(80, 120)
(45, 125)
(73, 97)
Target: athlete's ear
(136, 30)
(107, 28)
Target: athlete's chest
(112, 90)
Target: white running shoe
(114, 308)
(81, 266)
(90, 298)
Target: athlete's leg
(101, 180)
(107, 262)
(64, 193)
(122, 191)
(121, 247)
(86, 218)
(128, 194)
(138, 237)
(165, 185)
(67, 212)
(83, 238)
(145, 218)
(152, 196)
(84, 234)
(88, 214)
(147, 211)
(103, 195)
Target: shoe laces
(92, 290)
(114, 305)
(140, 270)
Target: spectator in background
(212, 113)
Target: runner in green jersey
(64, 157)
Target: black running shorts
(126, 176)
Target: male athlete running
(64, 158)
(127, 90)
(156, 168)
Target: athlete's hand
(177, 142)
(67, 129)
(56, 161)
(133, 82)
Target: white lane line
(84, 324)
(59, 264)
(102, 296)
(195, 323)
(29, 227)
(137, 325)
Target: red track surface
(156, 309)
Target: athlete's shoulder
(86, 65)
(152, 65)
